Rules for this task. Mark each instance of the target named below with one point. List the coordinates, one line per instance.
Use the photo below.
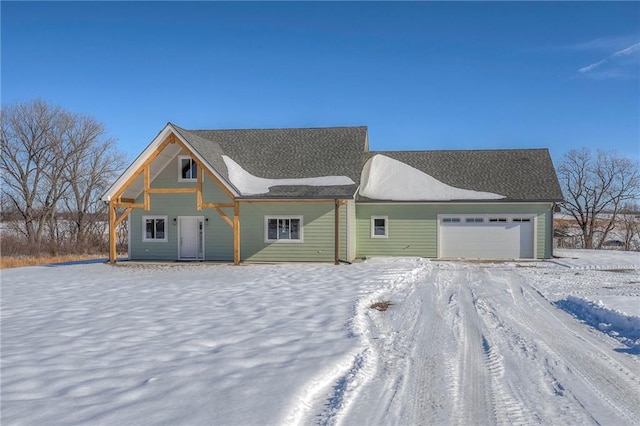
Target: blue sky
(420, 75)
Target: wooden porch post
(112, 233)
(236, 232)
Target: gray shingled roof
(518, 174)
(287, 153)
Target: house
(320, 194)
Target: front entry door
(191, 238)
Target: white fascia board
(150, 149)
(137, 162)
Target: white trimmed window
(283, 229)
(379, 226)
(187, 169)
(450, 220)
(521, 219)
(154, 228)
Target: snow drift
(617, 324)
(249, 184)
(384, 178)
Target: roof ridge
(276, 128)
(460, 150)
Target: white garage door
(485, 237)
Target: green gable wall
(413, 227)
(218, 235)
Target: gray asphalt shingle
(518, 174)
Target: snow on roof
(384, 178)
(249, 184)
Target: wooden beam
(199, 188)
(336, 226)
(224, 216)
(127, 205)
(127, 200)
(236, 233)
(112, 234)
(217, 205)
(147, 186)
(172, 190)
(140, 169)
(123, 216)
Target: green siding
(413, 227)
(218, 235)
(318, 232)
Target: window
(379, 226)
(474, 220)
(154, 228)
(283, 229)
(187, 169)
(498, 219)
(521, 219)
(450, 220)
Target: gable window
(283, 229)
(187, 168)
(154, 228)
(379, 226)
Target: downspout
(336, 244)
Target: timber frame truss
(118, 202)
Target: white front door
(191, 238)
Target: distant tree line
(601, 191)
(55, 165)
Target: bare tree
(28, 163)
(629, 225)
(90, 168)
(54, 163)
(595, 189)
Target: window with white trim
(379, 226)
(474, 220)
(521, 219)
(154, 228)
(283, 229)
(450, 220)
(497, 219)
(187, 169)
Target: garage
(485, 237)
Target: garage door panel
(486, 240)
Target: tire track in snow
(329, 396)
(475, 345)
(507, 409)
(429, 384)
(582, 380)
(473, 403)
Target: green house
(320, 195)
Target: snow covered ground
(461, 343)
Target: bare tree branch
(595, 189)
